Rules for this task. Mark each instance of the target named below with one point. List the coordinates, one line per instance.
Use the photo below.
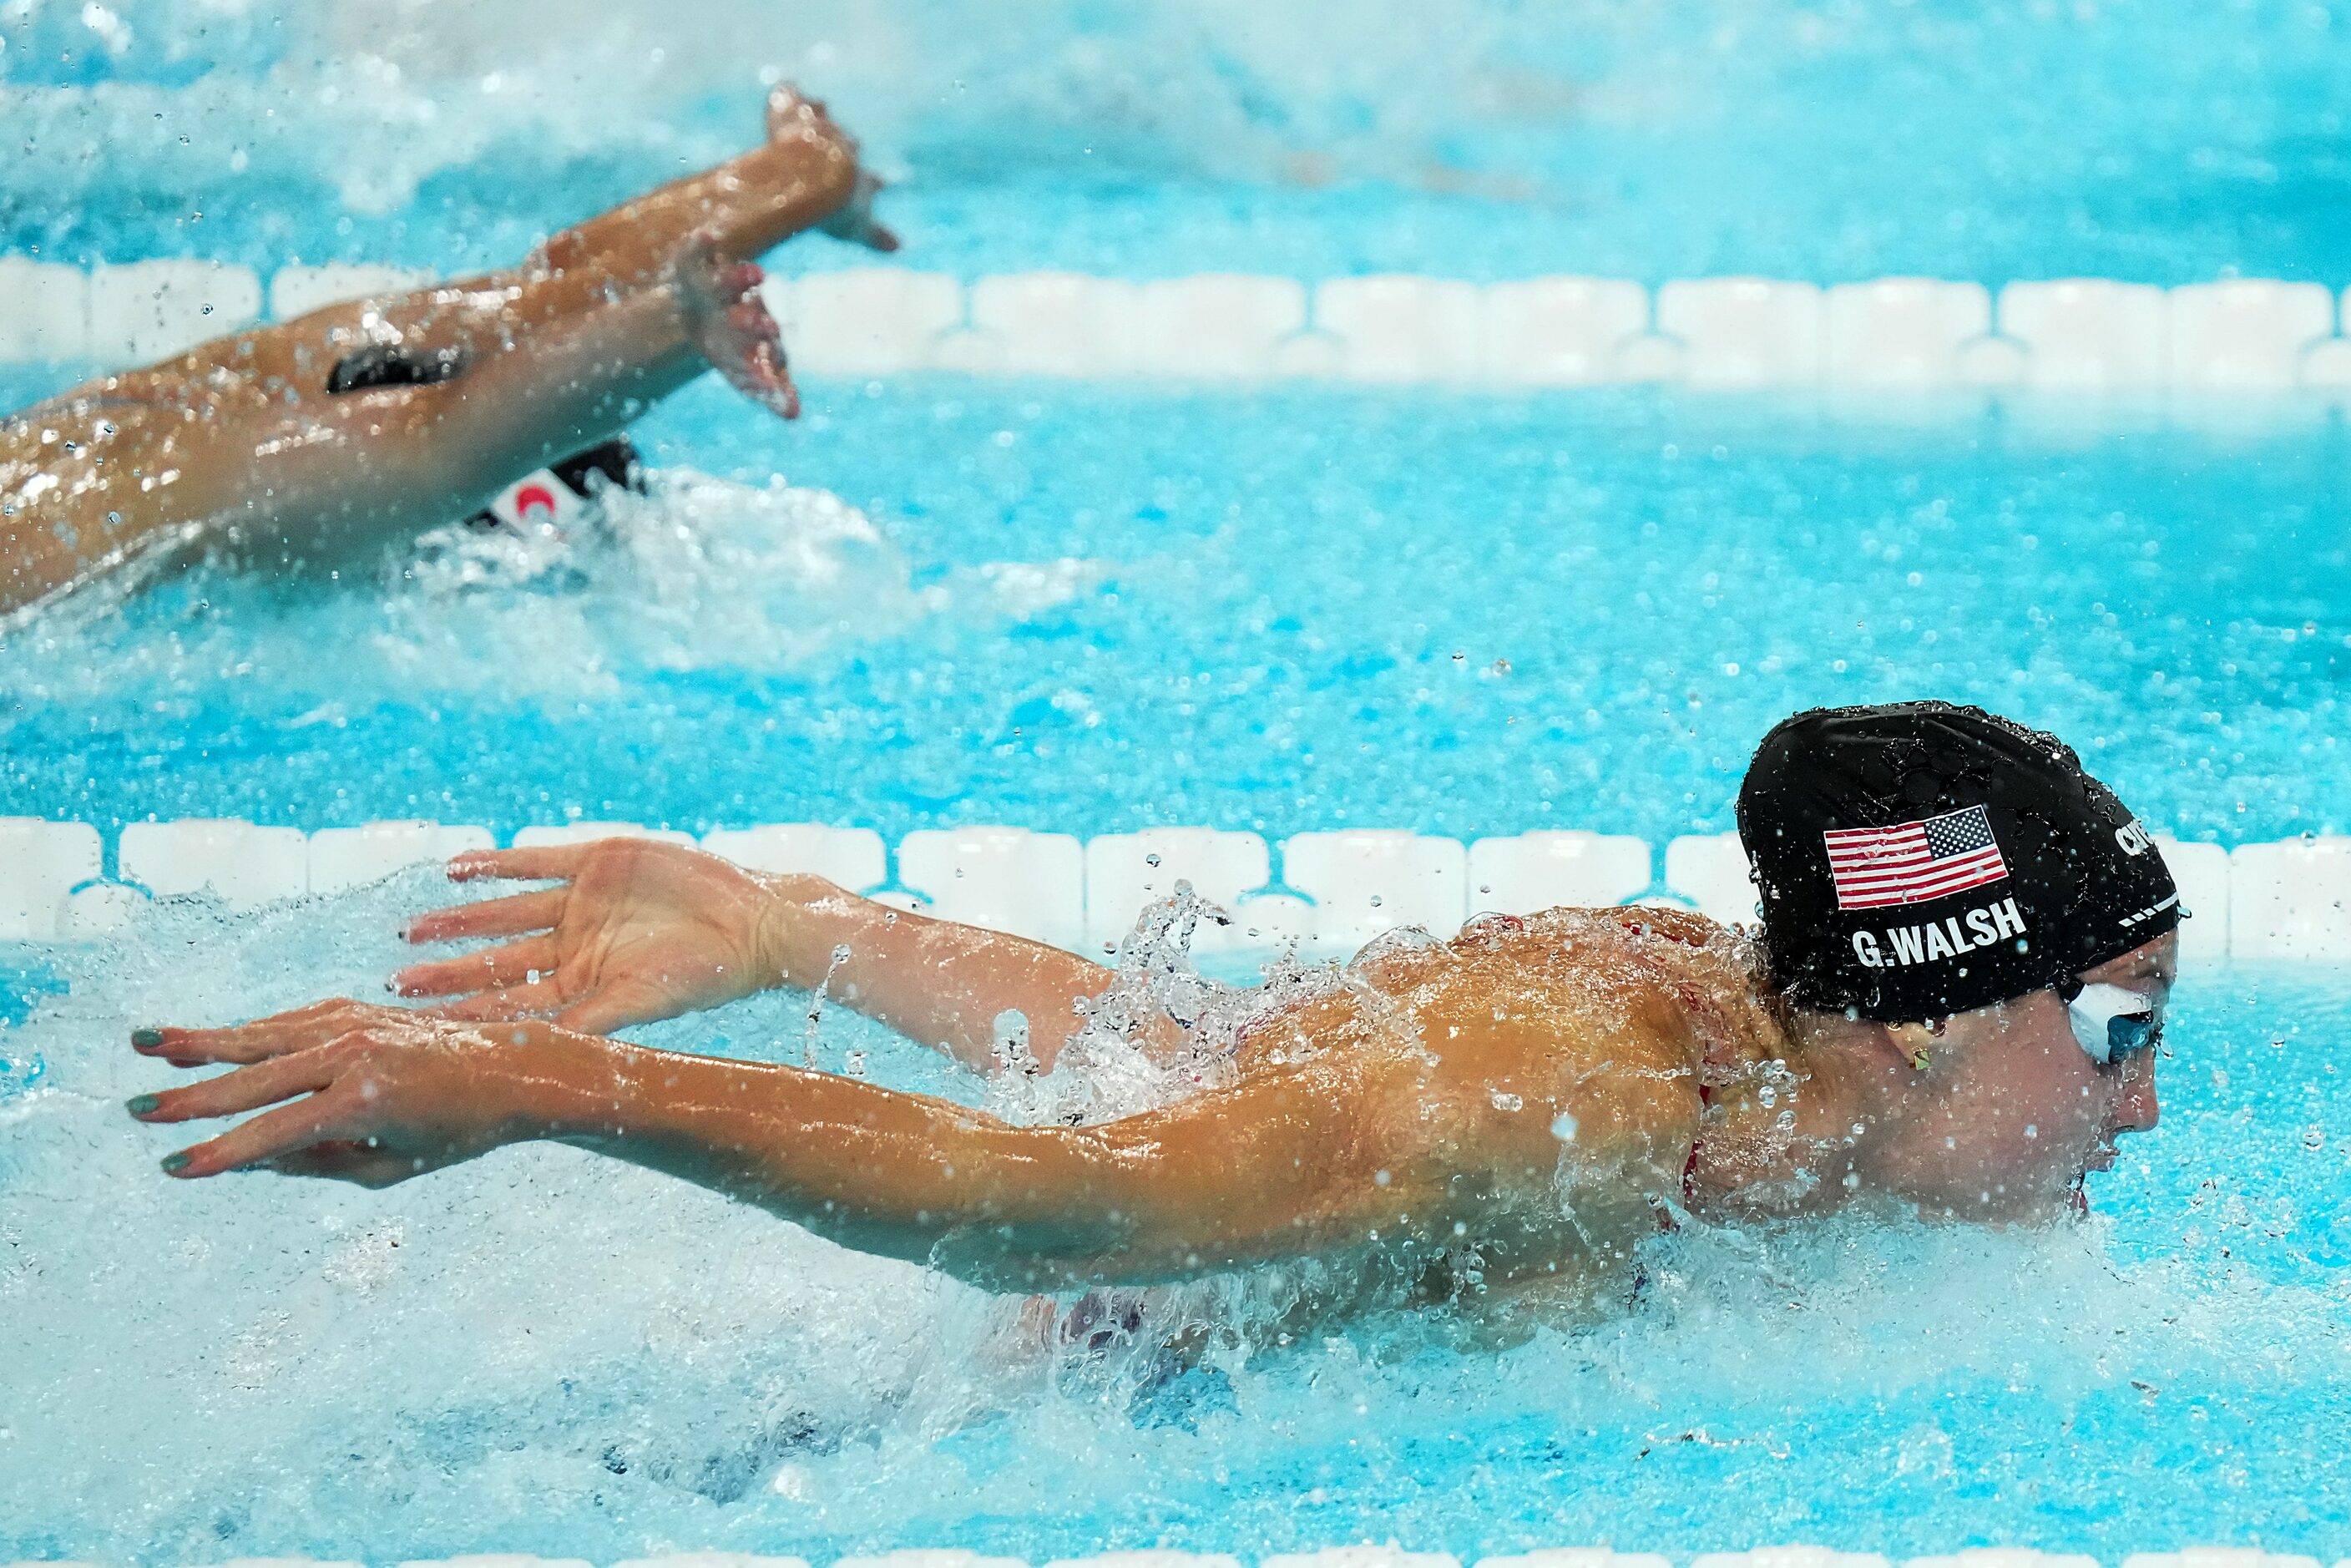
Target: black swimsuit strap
(395, 365)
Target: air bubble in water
(1009, 1034)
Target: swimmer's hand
(729, 323)
(633, 931)
(373, 1094)
(856, 223)
(790, 115)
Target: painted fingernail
(144, 1104)
(173, 1164)
(146, 1039)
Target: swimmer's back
(1547, 1069)
(1671, 982)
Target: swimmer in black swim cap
(315, 440)
(1969, 947)
(1957, 883)
(1919, 860)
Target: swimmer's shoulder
(1617, 946)
(1692, 987)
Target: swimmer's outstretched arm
(633, 931)
(601, 323)
(1344, 1153)
(561, 352)
(805, 175)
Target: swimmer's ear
(1915, 1042)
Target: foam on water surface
(697, 572)
(546, 1352)
(1820, 143)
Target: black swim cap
(1920, 859)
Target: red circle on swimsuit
(531, 496)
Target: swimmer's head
(1955, 887)
(1919, 860)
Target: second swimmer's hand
(361, 1093)
(727, 319)
(633, 931)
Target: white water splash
(543, 1348)
(697, 572)
(1106, 1071)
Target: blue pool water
(1088, 610)
(1823, 139)
(544, 1352)
(1091, 609)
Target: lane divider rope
(2077, 340)
(2282, 901)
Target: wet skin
(1529, 1093)
(236, 446)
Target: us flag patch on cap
(1911, 863)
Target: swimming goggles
(2110, 1022)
